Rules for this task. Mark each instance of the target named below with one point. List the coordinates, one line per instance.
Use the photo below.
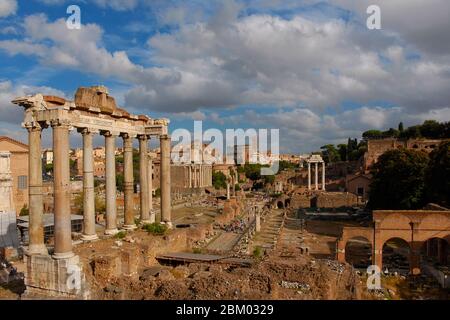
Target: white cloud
(7, 8)
(10, 113)
(310, 67)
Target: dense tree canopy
(430, 129)
(399, 180)
(438, 175)
(219, 180)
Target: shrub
(120, 235)
(155, 228)
(258, 252)
(24, 211)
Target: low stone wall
(336, 200)
(324, 200)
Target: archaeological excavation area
(176, 236)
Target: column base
(39, 249)
(111, 232)
(129, 227)
(168, 224)
(89, 237)
(143, 222)
(65, 255)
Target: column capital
(164, 137)
(143, 137)
(126, 135)
(85, 131)
(60, 123)
(32, 126)
(109, 133)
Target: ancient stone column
(258, 222)
(111, 189)
(165, 180)
(316, 173)
(190, 176)
(309, 176)
(89, 233)
(143, 173)
(36, 205)
(150, 189)
(61, 173)
(228, 190)
(323, 176)
(128, 183)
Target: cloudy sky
(310, 68)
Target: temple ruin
(92, 112)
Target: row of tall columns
(62, 193)
(198, 176)
(316, 173)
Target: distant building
(47, 156)
(359, 184)
(376, 147)
(19, 170)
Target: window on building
(360, 191)
(23, 182)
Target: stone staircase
(267, 238)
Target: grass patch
(197, 250)
(258, 252)
(157, 229)
(120, 235)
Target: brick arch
(408, 242)
(359, 237)
(412, 226)
(349, 233)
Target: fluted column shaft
(111, 189)
(36, 204)
(165, 180)
(89, 233)
(61, 172)
(128, 183)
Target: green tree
(219, 180)
(342, 150)
(119, 182)
(372, 134)
(432, 129)
(286, 165)
(438, 175)
(399, 180)
(269, 179)
(49, 168)
(330, 153)
(400, 127)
